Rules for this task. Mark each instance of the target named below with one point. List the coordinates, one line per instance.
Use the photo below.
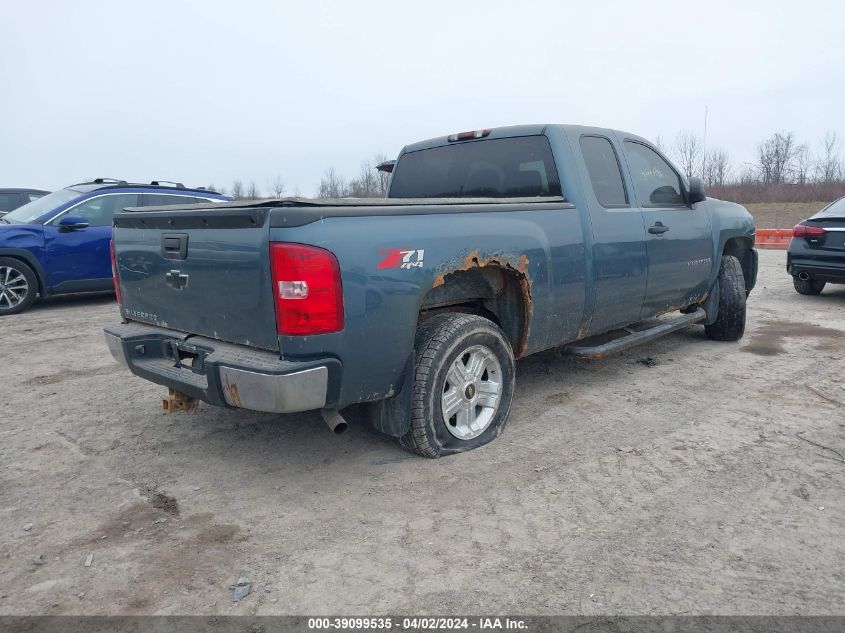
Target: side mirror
(73, 223)
(696, 190)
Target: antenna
(704, 147)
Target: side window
(162, 200)
(99, 211)
(656, 182)
(605, 175)
(34, 196)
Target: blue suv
(59, 244)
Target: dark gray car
(11, 199)
(816, 253)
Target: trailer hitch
(178, 401)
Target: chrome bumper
(299, 391)
(221, 373)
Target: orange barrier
(773, 238)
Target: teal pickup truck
(491, 245)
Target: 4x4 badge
(401, 258)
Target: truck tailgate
(201, 271)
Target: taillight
(807, 230)
(306, 289)
(114, 277)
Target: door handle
(658, 229)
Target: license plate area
(186, 356)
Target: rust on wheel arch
(517, 265)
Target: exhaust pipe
(803, 276)
(334, 420)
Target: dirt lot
(782, 215)
(617, 488)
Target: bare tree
(775, 158)
(332, 185)
(688, 152)
(801, 164)
(659, 143)
(253, 193)
(366, 185)
(276, 187)
(717, 168)
(828, 167)
(237, 190)
(382, 178)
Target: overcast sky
(207, 91)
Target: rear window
(498, 168)
(835, 209)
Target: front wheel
(808, 286)
(730, 320)
(18, 286)
(463, 385)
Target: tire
(18, 286)
(730, 321)
(486, 360)
(808, 286)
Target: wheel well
(496, 292)
(741, 248)
(28, 264)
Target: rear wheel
(730, 321)
(18, 286)
(463, 385)
(808, 286)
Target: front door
(78, 260)
(678, 238)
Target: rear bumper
(828, 269)
(221, 373)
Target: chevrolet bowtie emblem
(175, 279)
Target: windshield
(500, 168)
(30, 212)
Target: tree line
(782, 166)
(370, 183)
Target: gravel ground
(618, 487)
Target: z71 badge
(401, 258)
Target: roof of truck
(509, 131)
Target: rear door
(678, 238)
(202, 271)
(78, 260)
(619, 249)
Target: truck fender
(392, 416)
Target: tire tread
(730, 321)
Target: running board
(662, 328)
